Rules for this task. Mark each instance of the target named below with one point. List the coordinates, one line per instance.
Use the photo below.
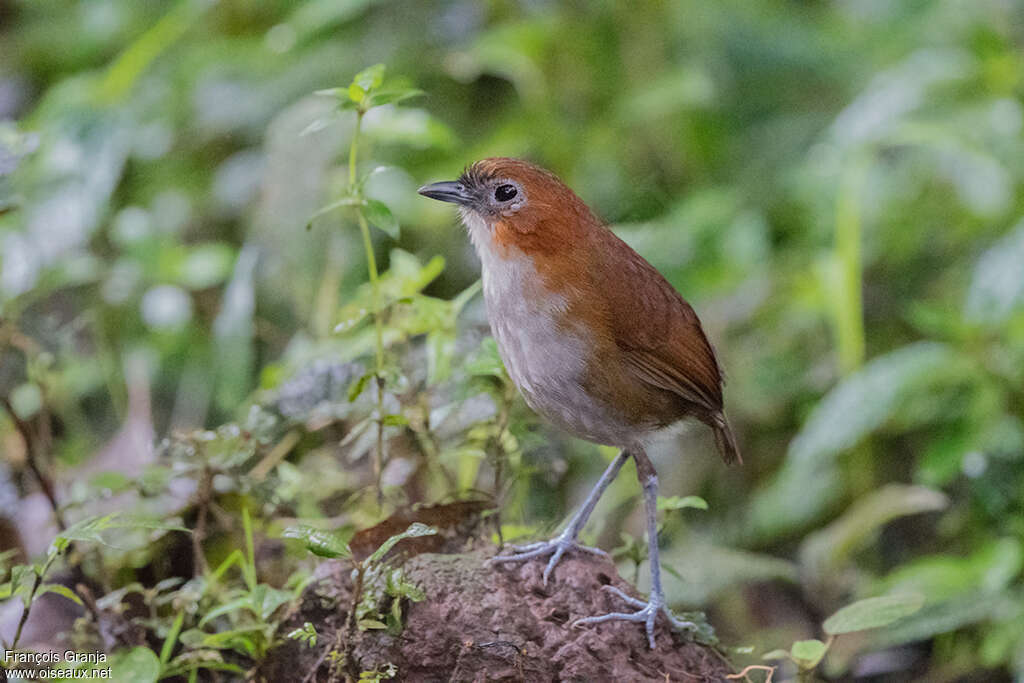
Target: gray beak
(447, 191)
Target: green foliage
(837, 191)
(307, 634)
(872, 613)
(319, 542)
(862, 615)
(682, 502)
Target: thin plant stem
(848, 302)
(31, 597)
(378, 324)
(353, 152)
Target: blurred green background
(835, 186)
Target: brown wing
(656, 329)
(660, 336)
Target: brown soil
(484, 623)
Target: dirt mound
(484, 623)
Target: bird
(596, 340)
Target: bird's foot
(646, 614)
(556, 548)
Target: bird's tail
(725, 440)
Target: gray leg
(566, 540)
(648, 611)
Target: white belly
(546, 359)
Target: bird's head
(512, 203)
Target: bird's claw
(556, 547)
(647, 614)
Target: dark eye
(503, 193)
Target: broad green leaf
(242, 602)
(393, 96)
(138, 665)
(947, 617)
(23, 578)
(351, 317)
(370, 78)
(776, 654)
(680, 503)
(873, 613)
(809, 481)
(486, 362)
(992, 568)
(381, 217)
(91, 529)
(377, 170)
(395, 421)
(59, 589)
(320, 542)
(807, 653)
(826, 549)
(997, 288)
(415, 530)
(266, 599)
(356, 93)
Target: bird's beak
(447, 191)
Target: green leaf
(997, 288)
(680, 503)
(415, 530)
(486, 362)
(91, 529)
(370, 78)
(377, 170)
(365, 624)
(111, 480)
(139, 665)
(393, 96)
(171, 639)
(23, 578)
(320, 542)
(307, 634)
(776, 654)
(266, 599)
(873, 613)
(992, 567)
(344, 201)
(395, 421)
(60, 590)
(946, 617)
(242, 602)
(807, 653)
(381, 217)
(824, 550)
(332, 92)
(356, 93)
(359, 385)
(810, 480)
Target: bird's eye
(503, 193)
